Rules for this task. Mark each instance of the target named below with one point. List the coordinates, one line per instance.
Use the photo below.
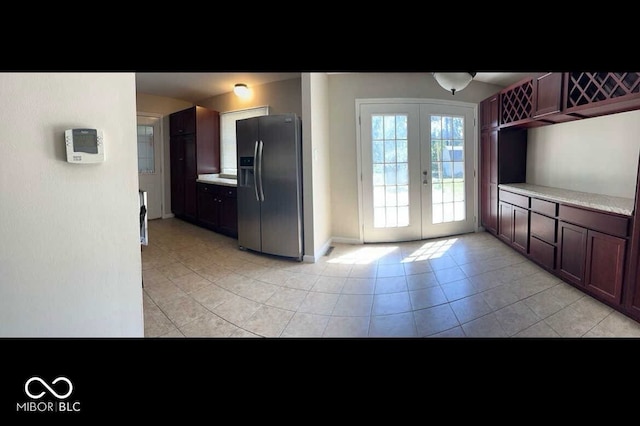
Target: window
(228, 161)
(146, 159)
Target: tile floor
(197, 283)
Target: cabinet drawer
(543, 227)
(603, 222)
(542, 252)
(515, 199)
(545, 207)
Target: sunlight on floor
(430, 250)
(364, 256)
(372, 254)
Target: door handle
(260, 171)
(255, 171)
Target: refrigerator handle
(255, 172)
(260, 170)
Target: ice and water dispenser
(246, 178)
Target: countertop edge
(597, 206)
(216, 182)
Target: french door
(417, 162)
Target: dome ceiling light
(453, 81)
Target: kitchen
(335, 218)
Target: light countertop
(606, 203)
(217, 180)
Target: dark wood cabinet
(194, 149)
(547, 99)
(516, 104)
(183, 122)
(229, 211)
(543, 231)
(505, 222)
(547, 94)
(591, 94)
(183, 176)
(597, 251)
(218, 208)
(489, 180)
(490, 112)
(557, 97)
(605, 265)
(503, 159)
(593, 260)
(520, 229)
(572, 241)
(208, 205)
(513, 221)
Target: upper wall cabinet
(547, 98)
(557, 97)
(516, 103)
(590, 94)
(490, 112)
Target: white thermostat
(84, 145)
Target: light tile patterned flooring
(197, 283)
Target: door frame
(160, 144)
(474, 142)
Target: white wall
(70, 263)
(344, 89)
(598, 155)
(316, 165)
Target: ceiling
(195, 86)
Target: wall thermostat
(84, 145)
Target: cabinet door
(521, 229)
(505, 222)
(489, 114)
(487, 220)
(548, 94)
(190, 177)
(229, 211)
(182, 122)
(605, 265)
(207, 205)
(572, 246)
(177, 175)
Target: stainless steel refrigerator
(269, 155)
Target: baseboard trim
(341, 240)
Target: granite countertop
(606, 203)
(217, 180)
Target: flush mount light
(241, 90)
(453, 81)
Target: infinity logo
(51, 391)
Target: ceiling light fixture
(454, 81)
(241, 90)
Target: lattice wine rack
(586, 88)
(517, 103)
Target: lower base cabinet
(513, 226)
(583, 246)
(592, 259)
(218, 208)
(604, 273)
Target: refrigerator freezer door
(281, 185)
(247, 136)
